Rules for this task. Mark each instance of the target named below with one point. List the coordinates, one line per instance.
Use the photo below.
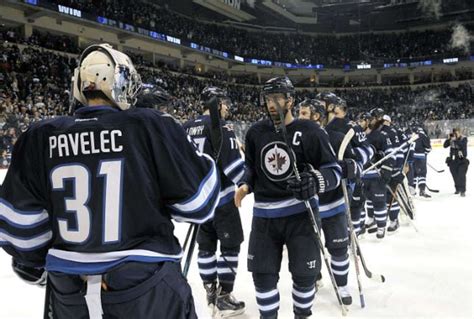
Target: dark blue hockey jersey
(381, 141)
(230, 162)
(268, 165)
(85, 193)
(396, 143)
(404, 151)
(364, 152)
(332, 202)
(422, 146)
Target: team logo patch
(276, 161)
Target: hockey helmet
(153, 97)
(315, 106)
(104, 69)
(377, 112)
(280, 84)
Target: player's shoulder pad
(307, 124)
(261, 126)
(227, 126)
(311, 128)
(159, 121)
(352, 124)
(152, 114)
(49, 124)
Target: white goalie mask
(102, 68)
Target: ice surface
(428, 274)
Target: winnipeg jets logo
(276, 162)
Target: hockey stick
(432, 190)
(403, 208)
(409, 208)
(193, 228)
(368, 273)
(48, 307)
(407, 197)
(393, 199)
(216, 142)
(434, 169)
(413, 138)
(403, 192)
(340, 157)
(309, 209)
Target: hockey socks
(369, 206)
(227, 270)
(340, 269)
(303, 298)
(356, 219)
(394, 211)
(268, 302)
(207, 264)
(380, 215)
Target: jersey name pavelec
(87, 192)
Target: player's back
(199, 131)
(110, 180)
(231, 165)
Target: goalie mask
(108, 71)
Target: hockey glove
(397, 178)
(32, 276)
(350, 169)
(305, 188)
(386, 174)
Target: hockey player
(397, 173)
(280, 216)
(358, 203)
(89, 198)
(337, 121)
(376, 180)
(422, 148)
(411, 170)
(226, 227)
(332, 206)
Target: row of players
(279, 214)
(96, 221)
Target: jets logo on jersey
(276, 161)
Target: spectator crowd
(35, 84)
(292, 47)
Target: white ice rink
(428, 274)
